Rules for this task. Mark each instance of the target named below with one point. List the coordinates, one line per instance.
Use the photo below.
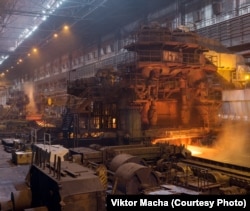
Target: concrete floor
(12, 178)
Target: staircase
(70, 124)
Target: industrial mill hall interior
(122, 97)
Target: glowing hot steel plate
(220, 154)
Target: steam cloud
(232, 143)
(29, 91)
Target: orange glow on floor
(205, 152)
(194, 150)
(35, 117)
(219, 155)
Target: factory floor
(12, 178)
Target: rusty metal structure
(165, 94)
(170, 81)
(167, 89)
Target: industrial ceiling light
(65, 27)
(30, 17)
